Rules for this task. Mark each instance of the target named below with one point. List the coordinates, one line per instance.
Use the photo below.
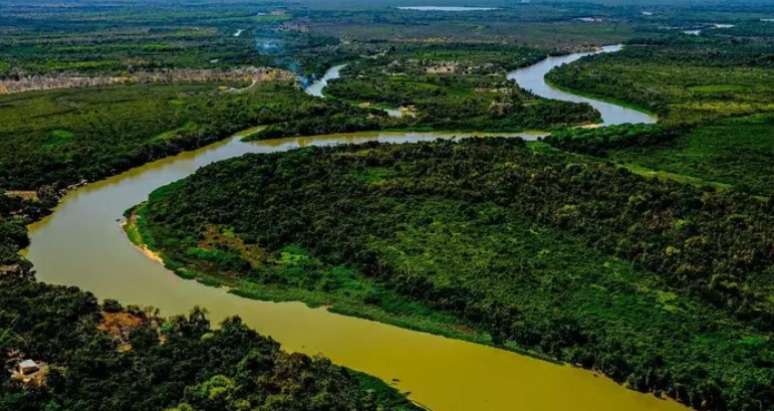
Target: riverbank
(106, 357)
(619, 102)
(428, 366)
(416, 317)
(535, 80)
(457, 86)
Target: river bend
(82, 244)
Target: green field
(736, 151)
(713, 91)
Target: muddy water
(532, 78)
(82, 244)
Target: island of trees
(662, 285)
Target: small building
(28, 367)
(31, 373)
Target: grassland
(716, 89)
(735, 152)
(550, 26)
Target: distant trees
(597, 141)
(456, 86)
(116, 128)
(685, 80)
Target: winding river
(532, 78)
(316, 88)
(333, 73)
(82, 244)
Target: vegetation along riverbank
(575, 259)
(644, 252)
(88, 354)
(714, 93)
(457, 87)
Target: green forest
(101, 356)
(660, 285)
(735, 152)
(457, 87)
(643, 252)
(94, 133)
(685, 79)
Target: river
(333, 73)
(532, 78)
(316, 88)
(82, 244)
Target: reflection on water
(82, 244)
(532, 78)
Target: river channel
(82, 244)
(532, 78)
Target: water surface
(532, 78)
(316, 88)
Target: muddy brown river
(82, 244)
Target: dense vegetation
(109, 357)
(736, 151)
(152, 363)
(456, 86)
(598, 141)
(664, 286)
(96, 38)
(93, 133)
(15, 213)
(685, 79)
(719, 84)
